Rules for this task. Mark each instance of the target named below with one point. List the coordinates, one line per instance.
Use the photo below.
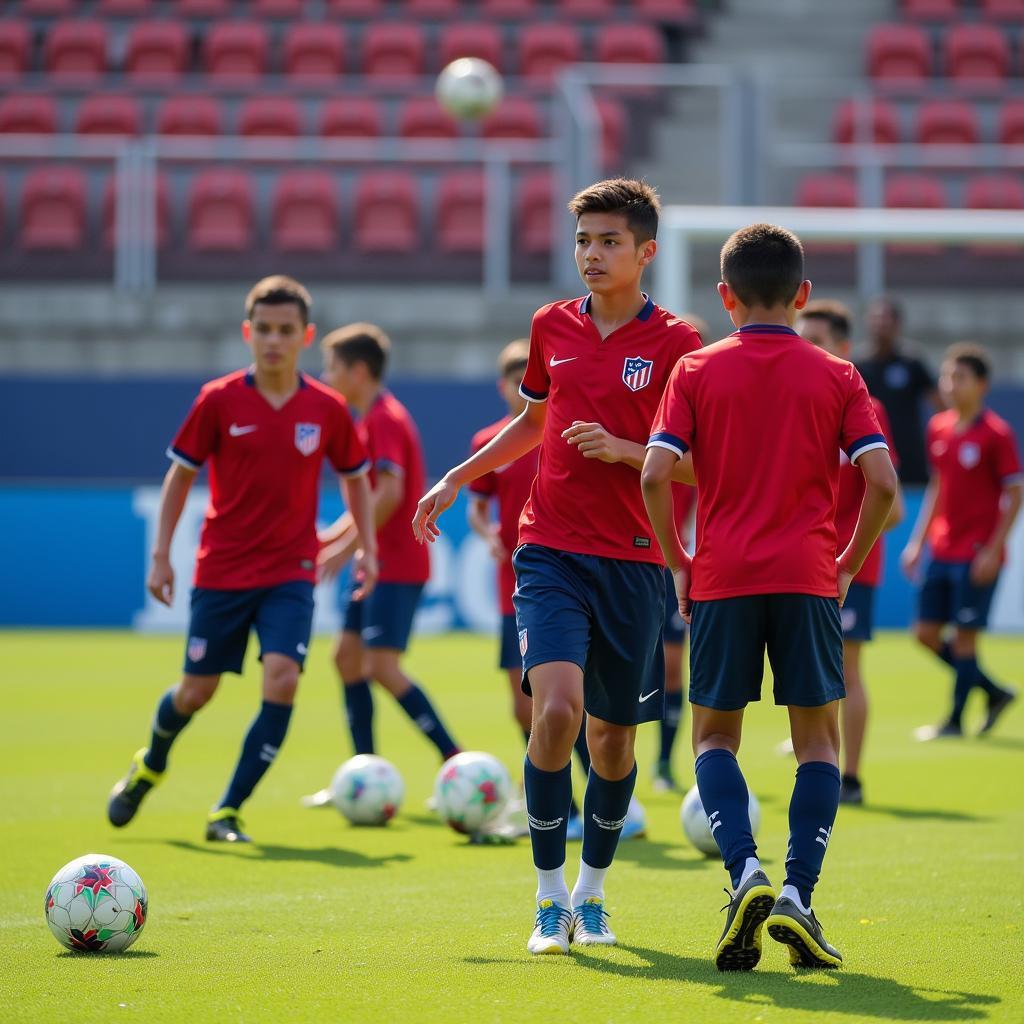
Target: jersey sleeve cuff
(1013, 480)
(532, 396)
(865, 444)
(359, 470)
(387, 466)
(663, 439)
(178, 456)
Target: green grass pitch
(324, 922)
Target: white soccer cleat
(590, 924)
(321, 798)
(551, 935)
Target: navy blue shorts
(801, 633)
(603, 614)
(384, 619)
(948, 595)
(675, 624)
(509, 656)
(858, 612)
(218, 629)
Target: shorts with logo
(675, 624)
(858, 612)
(948, 595)
(801, 633)
(384, 619)
(603, 614)
(509, 654)
(218, 631)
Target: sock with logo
(416, 704)
(604, 813)
(670, 724)
(260, 747)
(812, 812)
(167, 723)
(359, 710)
(548, 795)
(726, 802)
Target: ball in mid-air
(367, 790)
(697, 829)
(469, 88)
(471, 791)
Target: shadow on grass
(128, 954)
(649, 854)
(1002, 742)
(917, 813)
(330, 855)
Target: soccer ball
(367, 789)
(96, 904)
(695, 822)
(469, 88)
(471, 791)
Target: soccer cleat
(801, 932)
(127, 795)
(996, 706)
(739, 948)
(551, 934)
(851, 791)
(664, 781)
(574, 829)
(224, 826)
(321, 798)
(635, 825)
(590, 924)
(947, 730)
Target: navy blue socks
(604, 813)
(723, 792)
(548, 795)
(417, 706)
(167, 723)
(670, 724)
(812, 812)
(359, 709)
(265, 736)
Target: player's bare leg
(522, 706)
(854, 719)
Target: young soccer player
(375, 632)
(968, 510)
(590, 583)
(762, 414)
(265, 432)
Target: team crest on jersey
(524, 643)
(307, 437)
(969, 454)
(196, 648)
(636, 373)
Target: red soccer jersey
(391, 438)
(764, 412)
(264, 466)
(683, 499)
(851, 497)
(584, 505)
(973, 466)
(509, 486)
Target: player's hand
(431, 505)
(681, 581)
(910, 559)
(495, 546)
(160, 582)
(843, 578)
(593, 441)
(985, 567)
(367, 572)
(331, 559)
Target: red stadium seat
(202, 8)
(426, 9)
(630, 44)
(947, 122)
(124, 8)
(932, 10)
(508, 10)
(394, 50)
(28, 115)
(355, 8)
(313, 49)
(669, 12)
(545, 48)
(866, 121)
(422, 118)
(109, 115)
(280, 9)
(1003, 10)
(15, 48)
(899, 53)
(460, 212)
(612, 115)
(304, 215)
(589, 9)
(979, 53)
(220, 211)
(47, 8)
(53, 209)
(236, 50)
(270, 117)
(387, 212)
(915, 191)
(163, 212)
(350, 117)
(1011, 123)
(827, 189)
(472, 39)
(188, 114)
(157, 49)
(533, 211)
(994, 192)
(515, 118)
(76, 50)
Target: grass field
(321, 921)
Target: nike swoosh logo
(558, 362)
(646, 696)
(236, 431)
(302, 649)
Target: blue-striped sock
(417, 706)
(260, 747)
(167, 723)
(359, 711)
(812, 812)
(723, 793)
(548, 795)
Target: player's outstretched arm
(881, 486)
(356, 492)
(656, 483)
(910, 558)
(177, 483)
(594, 442)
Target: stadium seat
(28, 115)
(47, 8)
(163, 212)
(236, 50)
(280, 9)
(545, 48)
(1003, 10)
(189, 114)
(630, 44)
(826, 189)
(314, 50)
(124, 8)
(394, 50)
(109, 115)
(612, 115)
(270, 117)
(516, 117)
(947, 122)
(932, 10)
(15, 48)
(977, 53)
(994, 192)
(76, 50)
(350, 117)
(157, 49)
(866, 121)
(585, 9)
(508, 10)
(53, 209)
(202, 8)
(534, 199)
(220, 211)
(472, 39)
(427, 9)
(915, 191)
(460, 212)
(668, 12)
(304, 215)
(387, 212)
(1011, 123)
(355, 8)
(422, 118)
(899, 53)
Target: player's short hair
(637, 201)
(763, 264)
(973, 356)
(360, 343)
(514, 357)
(833, 312)
(277, 290)
(892, 304)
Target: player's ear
(803, 294)
(647, 251)
(728, 296)
(310, 335)
(247, 331)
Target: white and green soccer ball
(96, 904)
(471, 791)
(697, 829)
(469, 88)
(367, 790)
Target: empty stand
(189, 114)
(220, 211)
(473, 39)
(899, 53)
(76, 50)
(947, 122)
(162, 221)
(313, 50)
(270, 117)
(28, 114)
(532, 231)
(827, 189)
(157, 50)
(344, 117)
(15, 48)
(394, 50)
(109, 115)
(516, 117)
(304, 215)
(1011, 123)
(236, 50)
(977, 54)
(866, 121)
(547, 47)
(630, 44)
(53, 209)
(387, 213)
(421, 117)
(460, 212)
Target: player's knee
(348, 657)
(280, 681)
(611, 751)
(558, 719)
(927, 634)
(193, 694)
(964, 643)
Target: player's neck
(363, 399)
(777, 316)
(967, 414)
(613, 309)
(277, 385)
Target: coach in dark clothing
(899, 381)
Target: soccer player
(375, 632)
(968, 510)
(590, 583)
(826, 323)
(762, 413)
(265, 432)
